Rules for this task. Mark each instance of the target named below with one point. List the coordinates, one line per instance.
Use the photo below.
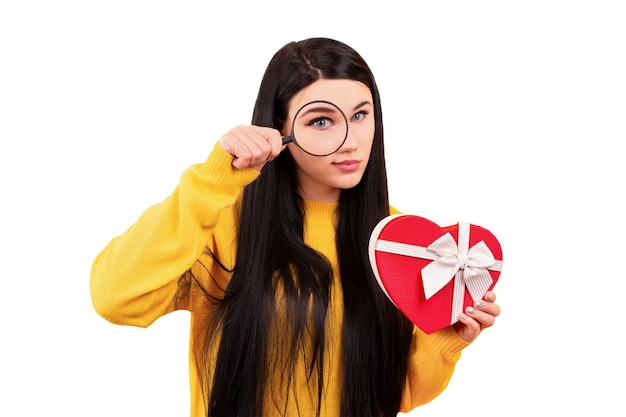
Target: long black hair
(258, 340)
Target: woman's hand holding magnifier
(319, 128)
(252, 146)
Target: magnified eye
(320, 122)
(319, 128)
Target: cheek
(302, 159)
(368, 139)
(366, 132)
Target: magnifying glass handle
(287, 139)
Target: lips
(348, 165)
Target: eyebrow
(331, 108)
(364, 103)
(320, 109)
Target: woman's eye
(360, 115)
(320, 123)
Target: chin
(348, 183)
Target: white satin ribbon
(468, 266)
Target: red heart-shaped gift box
(432, 273)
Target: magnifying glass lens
(320, 128)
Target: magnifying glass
(319, 128)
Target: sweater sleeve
(134, 278)
(432, 358)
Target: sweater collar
(316, 208)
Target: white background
(509, 115)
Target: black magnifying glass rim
(292, 138)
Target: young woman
(266, 246)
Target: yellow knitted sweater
(134, 280)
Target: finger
(490, 308)
(469, 329)
(487, 307)
(484, 318)
(258, 149)
(247, 146)
(273, 138)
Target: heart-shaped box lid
(432, 273)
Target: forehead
(344, 93)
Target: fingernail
(479, 304)
(470, 310)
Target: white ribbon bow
(468, 266)
(452, 259)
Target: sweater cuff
(219, 165)
(447, 341)
(208, 187)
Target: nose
(351, 143)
